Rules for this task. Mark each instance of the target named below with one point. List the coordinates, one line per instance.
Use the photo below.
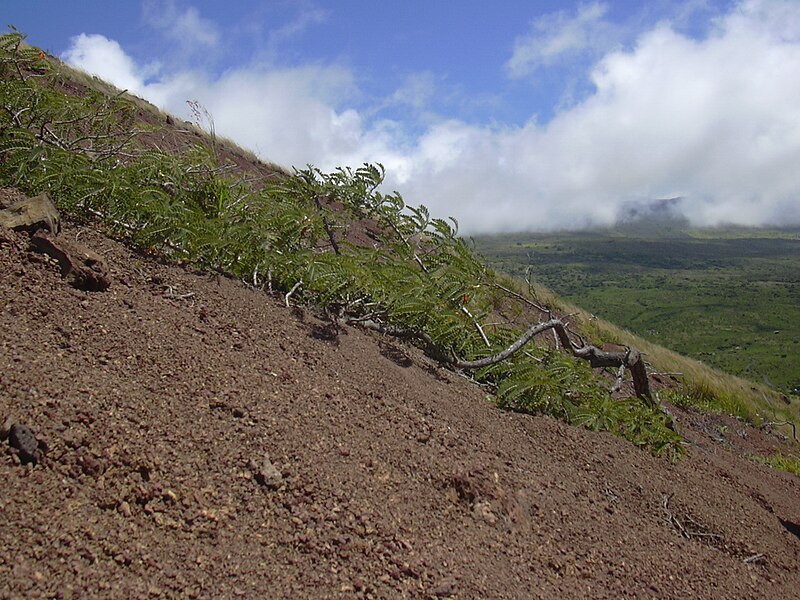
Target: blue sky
(508, 115)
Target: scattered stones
(21, 437)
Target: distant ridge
(652, 213)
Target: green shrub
(419, 278)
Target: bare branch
(518, 296)
(295, 287)
(465, 310)
(620, 380)
(631, 359)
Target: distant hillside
(729, 297)
(651, 216)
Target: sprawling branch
(631, 359)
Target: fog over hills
(665, 211)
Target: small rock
(21, 437)
(124, 509)
(446, 587)
(91, 466)
(5, 429)
(483, 511)
(266, 473)
(6, 236)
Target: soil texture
(183, 435)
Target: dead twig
(620, 379)
(757, 559)
(695, 532)
(288, 295)
(327, 226)
(672, 519)
(170, 292)
(465, 310)
(519, 296)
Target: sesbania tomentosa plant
(416, 276)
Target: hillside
(203, 428)
(161, 399)
(728, 297)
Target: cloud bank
(713, 121)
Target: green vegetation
(729, 297)
(418, 279)
(790, 464)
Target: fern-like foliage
(418, 275)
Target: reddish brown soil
(163, 402)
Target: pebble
(5, 429)
(266, 473)
(446, 587)
(21, 437)
(483, 511)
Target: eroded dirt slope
(201, 440)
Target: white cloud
(98, 55)
(558, 36)
(190, 26)
(715, 121)
(188, 33)
(416, 90)
(295, 28)
(288, 115)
